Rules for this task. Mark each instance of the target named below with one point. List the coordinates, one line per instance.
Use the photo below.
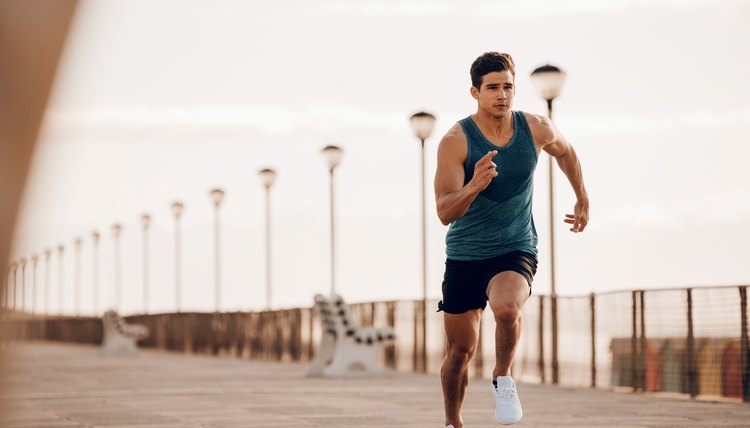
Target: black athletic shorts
(465, 282)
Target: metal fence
(690, 341)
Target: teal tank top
(499, 220)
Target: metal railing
(690, 341)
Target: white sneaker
(507, 405)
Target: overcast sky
(157, 101)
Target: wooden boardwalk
(58, 385)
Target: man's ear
(474, 93)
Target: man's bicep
(557, 145)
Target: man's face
(496, 93)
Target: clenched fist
(484, 171)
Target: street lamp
(78, 243)
(267, 177)
(177, 209)
(14, 268)
(34, 260)
(95, 283)
(23, 283)
(116, 229)
(332, 155)
(8, 271)
(548, 81)
(422, 123)
(60, 279)
(145, 221)
(217, 196)
(47, 255)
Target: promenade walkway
(62, 385)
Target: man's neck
(493, 124)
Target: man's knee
(460, 354)
(506, 312)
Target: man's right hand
(484, 171)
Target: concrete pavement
(63, 385)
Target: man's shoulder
(454, 144)
(455, 135)
(536, 120)
(540, 126)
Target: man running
(483, 187)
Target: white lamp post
(6, 292)
(332, 155)
(145, 221)
(217, 196)
(116, 230)
(60, 278)
(78, 242)
(422, 124)
(548, 81)
(95, 274)
(47, 256)
(23, 283)
(267, 177)
(14, 270)
(177, 209)
(34, 261)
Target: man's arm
(552, 142)
(453, 198)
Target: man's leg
(462, 331)
(507, 292)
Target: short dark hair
(489, 62)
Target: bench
(345, 346)
(120, 337)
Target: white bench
(119, 337)
(349, 348)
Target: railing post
(634, 343)
(542, 377)
(642, 362)
(415, 352)
(423, 336)
(744, 346)
(592, 305)
(692, 371)
(311, 339)
(390, 351)
(555, 335)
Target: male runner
(483, 187)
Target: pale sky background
(157, 101)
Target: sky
(159, 101)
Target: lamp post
(422, 124)
(116, 230)
(24, 262)
(332, 155)
(145, 221)
(34, 260)
(60, 279)
(95, 282)
(47, 256)
(267, 177)
(217, 196)
(78, 243)
(548, 81)
(6, 280)
(177, 209)
(14, 267)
